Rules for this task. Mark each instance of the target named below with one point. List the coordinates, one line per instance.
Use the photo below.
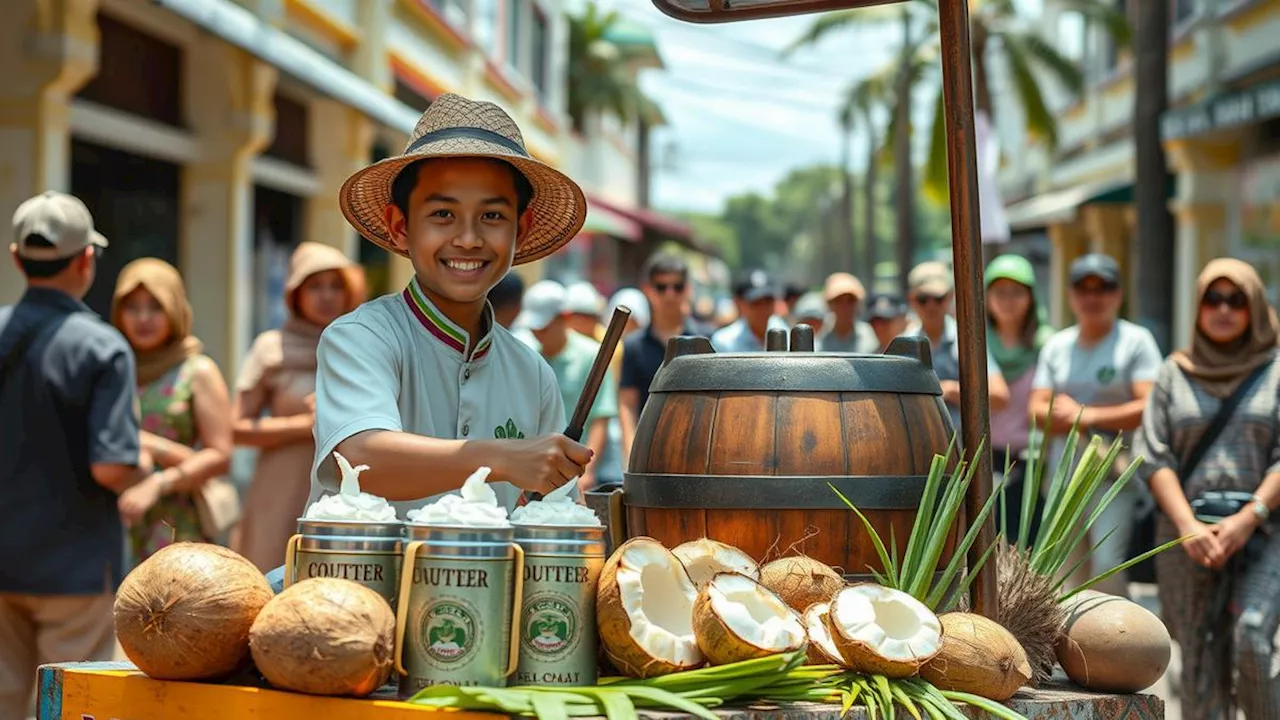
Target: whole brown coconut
(325, 636)
(978, 656)
(1111, 644)
(1028, 608)
(185, 612)
(801, 581)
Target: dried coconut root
(1028, 608)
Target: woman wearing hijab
(279, 377)
(1015, 334)
(1220, 593)
(186, 413)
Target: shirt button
(466, 429)
(466, 374)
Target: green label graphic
(550, 627)
(449, 632)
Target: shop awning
(601, 220)
(247, 31)
(1061, 205)
(658, 224)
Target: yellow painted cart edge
(117, 691)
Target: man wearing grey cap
(1100, 369)
(70, 446)
(931, 291)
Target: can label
(459, 625)
(557, 621)
(380, 572)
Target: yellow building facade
(1222, 141)
(216, 134)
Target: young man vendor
(424, 386)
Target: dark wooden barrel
(741, 447)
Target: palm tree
(859, 110)
(1155, 225)
(998, 34)
(602, 76)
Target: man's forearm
(403, 466)
(1116, 418)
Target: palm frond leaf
(1112, 20)
(1040, 120)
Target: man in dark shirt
(69, 446)
(666, 285)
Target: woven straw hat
(454, 126)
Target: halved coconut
(822, 649)
(736, 618)
(644, 610)
(882, 630)
(706, 558)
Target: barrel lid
(692, 365)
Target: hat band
(467, 133)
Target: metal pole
(966, 247)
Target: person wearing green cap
(1016, 331)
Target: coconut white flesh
(658, 599)
(896, 625)
(816, 626)
(754, 614)
(704, 559)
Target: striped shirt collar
(443, 329)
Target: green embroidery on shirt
(510, 432)
(1106, 374)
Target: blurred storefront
(215, 134)
(1222, 142)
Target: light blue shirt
(736, 337)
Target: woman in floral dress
(274, 407)
(186, 412)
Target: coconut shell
(1110, 644)
(325, 636)
(1028, 608)
(801, 581)
(861, 657)
(815, 619)
(691, 552)
(185, 612)
(615, 626)
(718, 642)
(978, 656)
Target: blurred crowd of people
(118, 432)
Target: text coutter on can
(368, 553)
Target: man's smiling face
(461, 228)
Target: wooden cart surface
(117, 691)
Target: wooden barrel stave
(783, 434)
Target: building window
(411, 97)
(137, 73)
(455, 11)
(486, 26)
(290, 142)
(515, 23)
(540, 52)
(1181, 10)
(1111, 50)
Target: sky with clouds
(741, 115)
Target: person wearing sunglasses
(1100, 370)
(930, 287)
(1220, 489)
(666, 286)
